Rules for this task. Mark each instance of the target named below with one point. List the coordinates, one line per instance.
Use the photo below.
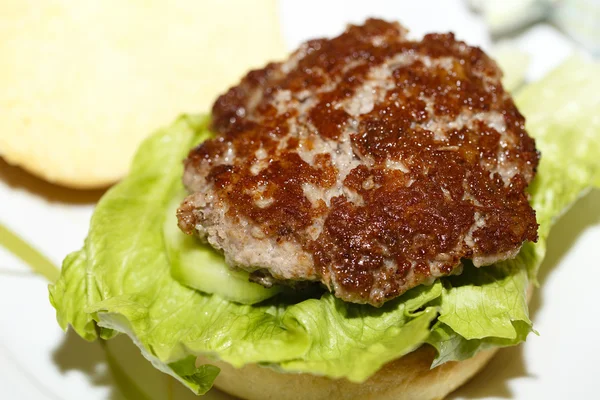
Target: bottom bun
(407, 378)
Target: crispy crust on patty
(369, 162)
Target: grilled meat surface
(370, 162)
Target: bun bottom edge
(407, 378)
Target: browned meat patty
(369, 162)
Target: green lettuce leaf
(120, 282)
(453, 347)
(563, 113)
(513, 63)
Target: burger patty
(369, 162)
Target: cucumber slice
(199, 266)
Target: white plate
(38, 361)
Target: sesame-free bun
(408, 378)
(84, 82)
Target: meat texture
(369, 162)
